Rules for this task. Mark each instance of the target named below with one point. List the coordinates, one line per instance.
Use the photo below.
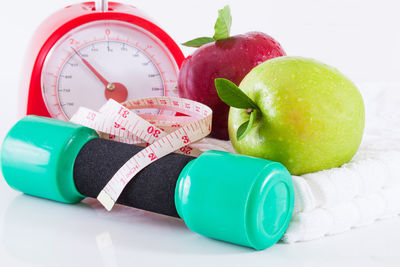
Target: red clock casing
(60, 23)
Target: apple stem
(249, 111)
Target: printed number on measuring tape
(164, 134)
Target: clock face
(102, 60)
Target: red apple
(231, 58)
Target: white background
(361, 38)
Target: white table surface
(37, 232)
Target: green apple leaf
(232, 95)
(222, 29)
(223, 25)
(245, 128)
(199, 42)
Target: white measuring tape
(164, 134)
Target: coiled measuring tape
(164, 134)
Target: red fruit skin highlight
(230, 58)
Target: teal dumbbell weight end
(248, 203)
(234, 198)
(38, 154)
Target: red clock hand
(92, 69)
(116, 91)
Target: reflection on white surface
(106, 248)
(39, 232)
(43, 232)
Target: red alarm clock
(87, 53)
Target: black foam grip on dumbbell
(152, 189)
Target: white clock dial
(102, 60)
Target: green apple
(308, 115)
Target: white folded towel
(356, 194)
(359, 192)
